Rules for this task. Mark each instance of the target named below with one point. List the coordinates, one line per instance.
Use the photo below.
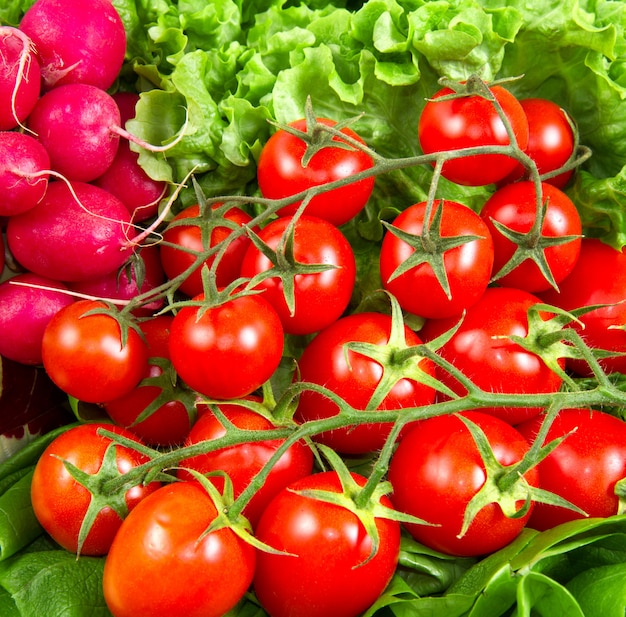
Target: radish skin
(78, 41)
(78, 231)
(23, 172)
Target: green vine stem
(603, 393)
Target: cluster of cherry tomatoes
(196, 472)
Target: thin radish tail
(25, 58)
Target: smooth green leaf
(540, 596)
(601, 591)
(55, 584)
(18, 524)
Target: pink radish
(23, 172)
(144, 268)
(125, 178)
(78, 41)
(76, 232)
(77, 125)
(20, 77)
(27, 303)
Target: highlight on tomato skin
(326, 570)
(61, 503)
(243, 461)
(450, 272)
(189, 564)
(437, 470)
(472, 121)
(584, 468)
(281, 173)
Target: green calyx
(98, 485)
(430, 246)
(362, 501)
(531, 245)
(506, 486)
(397, 359)
(318, 135)
(284, 264)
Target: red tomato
(550, 140)
(319, 298)
(584, 468)
(436, 471)
(353, 376)
(243, 461)
(472, 121)
(60, 503)
(599, 277)
(281, 173)
(467, 267)
(492, 362)
(169, 423)
(227, 351)
(181, 244)
(83, 354)
(161, 563)
(325, 572)
(515, 207)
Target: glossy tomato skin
(159, 564)
(60, 502)
(320, 298)
(179, 239)
(551, 140)
(437, 470)
(471, 121)
(584, 468)
(494, 363)
(355, 377)
(84, 356)
(170, 423)
(242, 462)
(325, 573)
(468, 267)
(227, 351)
(515, 207)
(599, 277)
(280, 174)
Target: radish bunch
(71, 189)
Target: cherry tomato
(325, 572)
(243, 461)
(319, 298)
(515, 207)
(227, 351)
(599, 277)
(60, 502)
(183, 242)
(481, 351)
(436, 471)
(354, 377)
(583, 468)
(83, 354)
(467, 267)
(281, 173)
(161, 563)
(472, 121)
(550, 140)
(168, 424)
